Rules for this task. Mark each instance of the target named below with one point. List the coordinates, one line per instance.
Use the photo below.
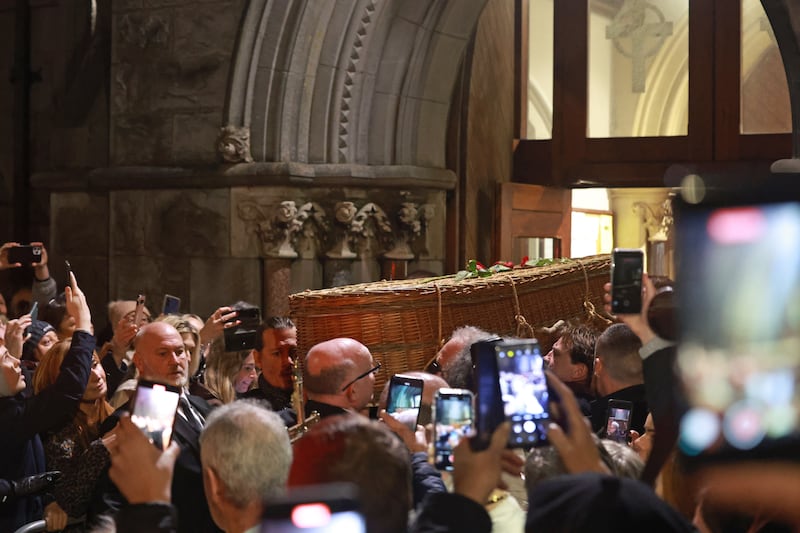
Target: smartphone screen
(139, 314)
(154, 410)
(524, 391)
(171, 306)
(738, 291)
(618, 421)
(453, 420)
(403, 401)
(329, 508)
(489, 412)
(626, 280)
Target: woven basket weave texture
(404, 322)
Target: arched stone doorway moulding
(358, 82)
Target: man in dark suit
(339, 376)
(159, 356)
(618, 376)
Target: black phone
(627, 266)
(618, 422)
(243, 336)
(404, 399)
(154, 408)
(138, 316)
(327, 508)
(523, 388)
(453, 420)
(738, 280)
(25, 254)
(34, 312)
(489, 412)
(171, 305)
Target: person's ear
(215, 490)
(579, 372)
(137, 361)
(598, 366)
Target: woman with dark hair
(75, 448)
(55, 314)
(23, 418)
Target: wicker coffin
(404, 322)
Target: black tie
(191, 416)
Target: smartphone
(34, 312)
(171, 305)
(25, 254)
(627, 266)
(523, 388)
(489, 412)
(69, 270)
(243, 336)
(327, 508)
(738, 287)
(404, 399)
(154, 408)
(138, 316)
(453, 420)
(618, 422)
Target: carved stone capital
(233, 144)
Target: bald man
(338, 377)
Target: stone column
(640, 221)
(277, 283)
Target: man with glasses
(338, 377)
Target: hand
(4, 264)
(77, 307)
(40, 269)
(15, 335)
(142, 472)
(415, 441)
(576, 448)
(217, 323)
(54, 517)
(123, 335)
(638, 323)
(477, 474)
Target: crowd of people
(72, 456)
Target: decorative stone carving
(233, 144)
(413, 219)
(658, 221)
(313, 230)
(373, 228)
(275, 229)
(344, 214)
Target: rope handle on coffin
(524, 329)
(591, 311)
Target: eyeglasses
(433, 367)
(362, 376)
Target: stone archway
(366, 82)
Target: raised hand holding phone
(76, 305)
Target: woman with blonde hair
(75, 448)
(222, 376)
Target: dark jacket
(22, 419)
(188, 494)
(278, 398)
(635, 394)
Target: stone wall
(214, 246)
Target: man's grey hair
(458, 373)
(248, 447)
